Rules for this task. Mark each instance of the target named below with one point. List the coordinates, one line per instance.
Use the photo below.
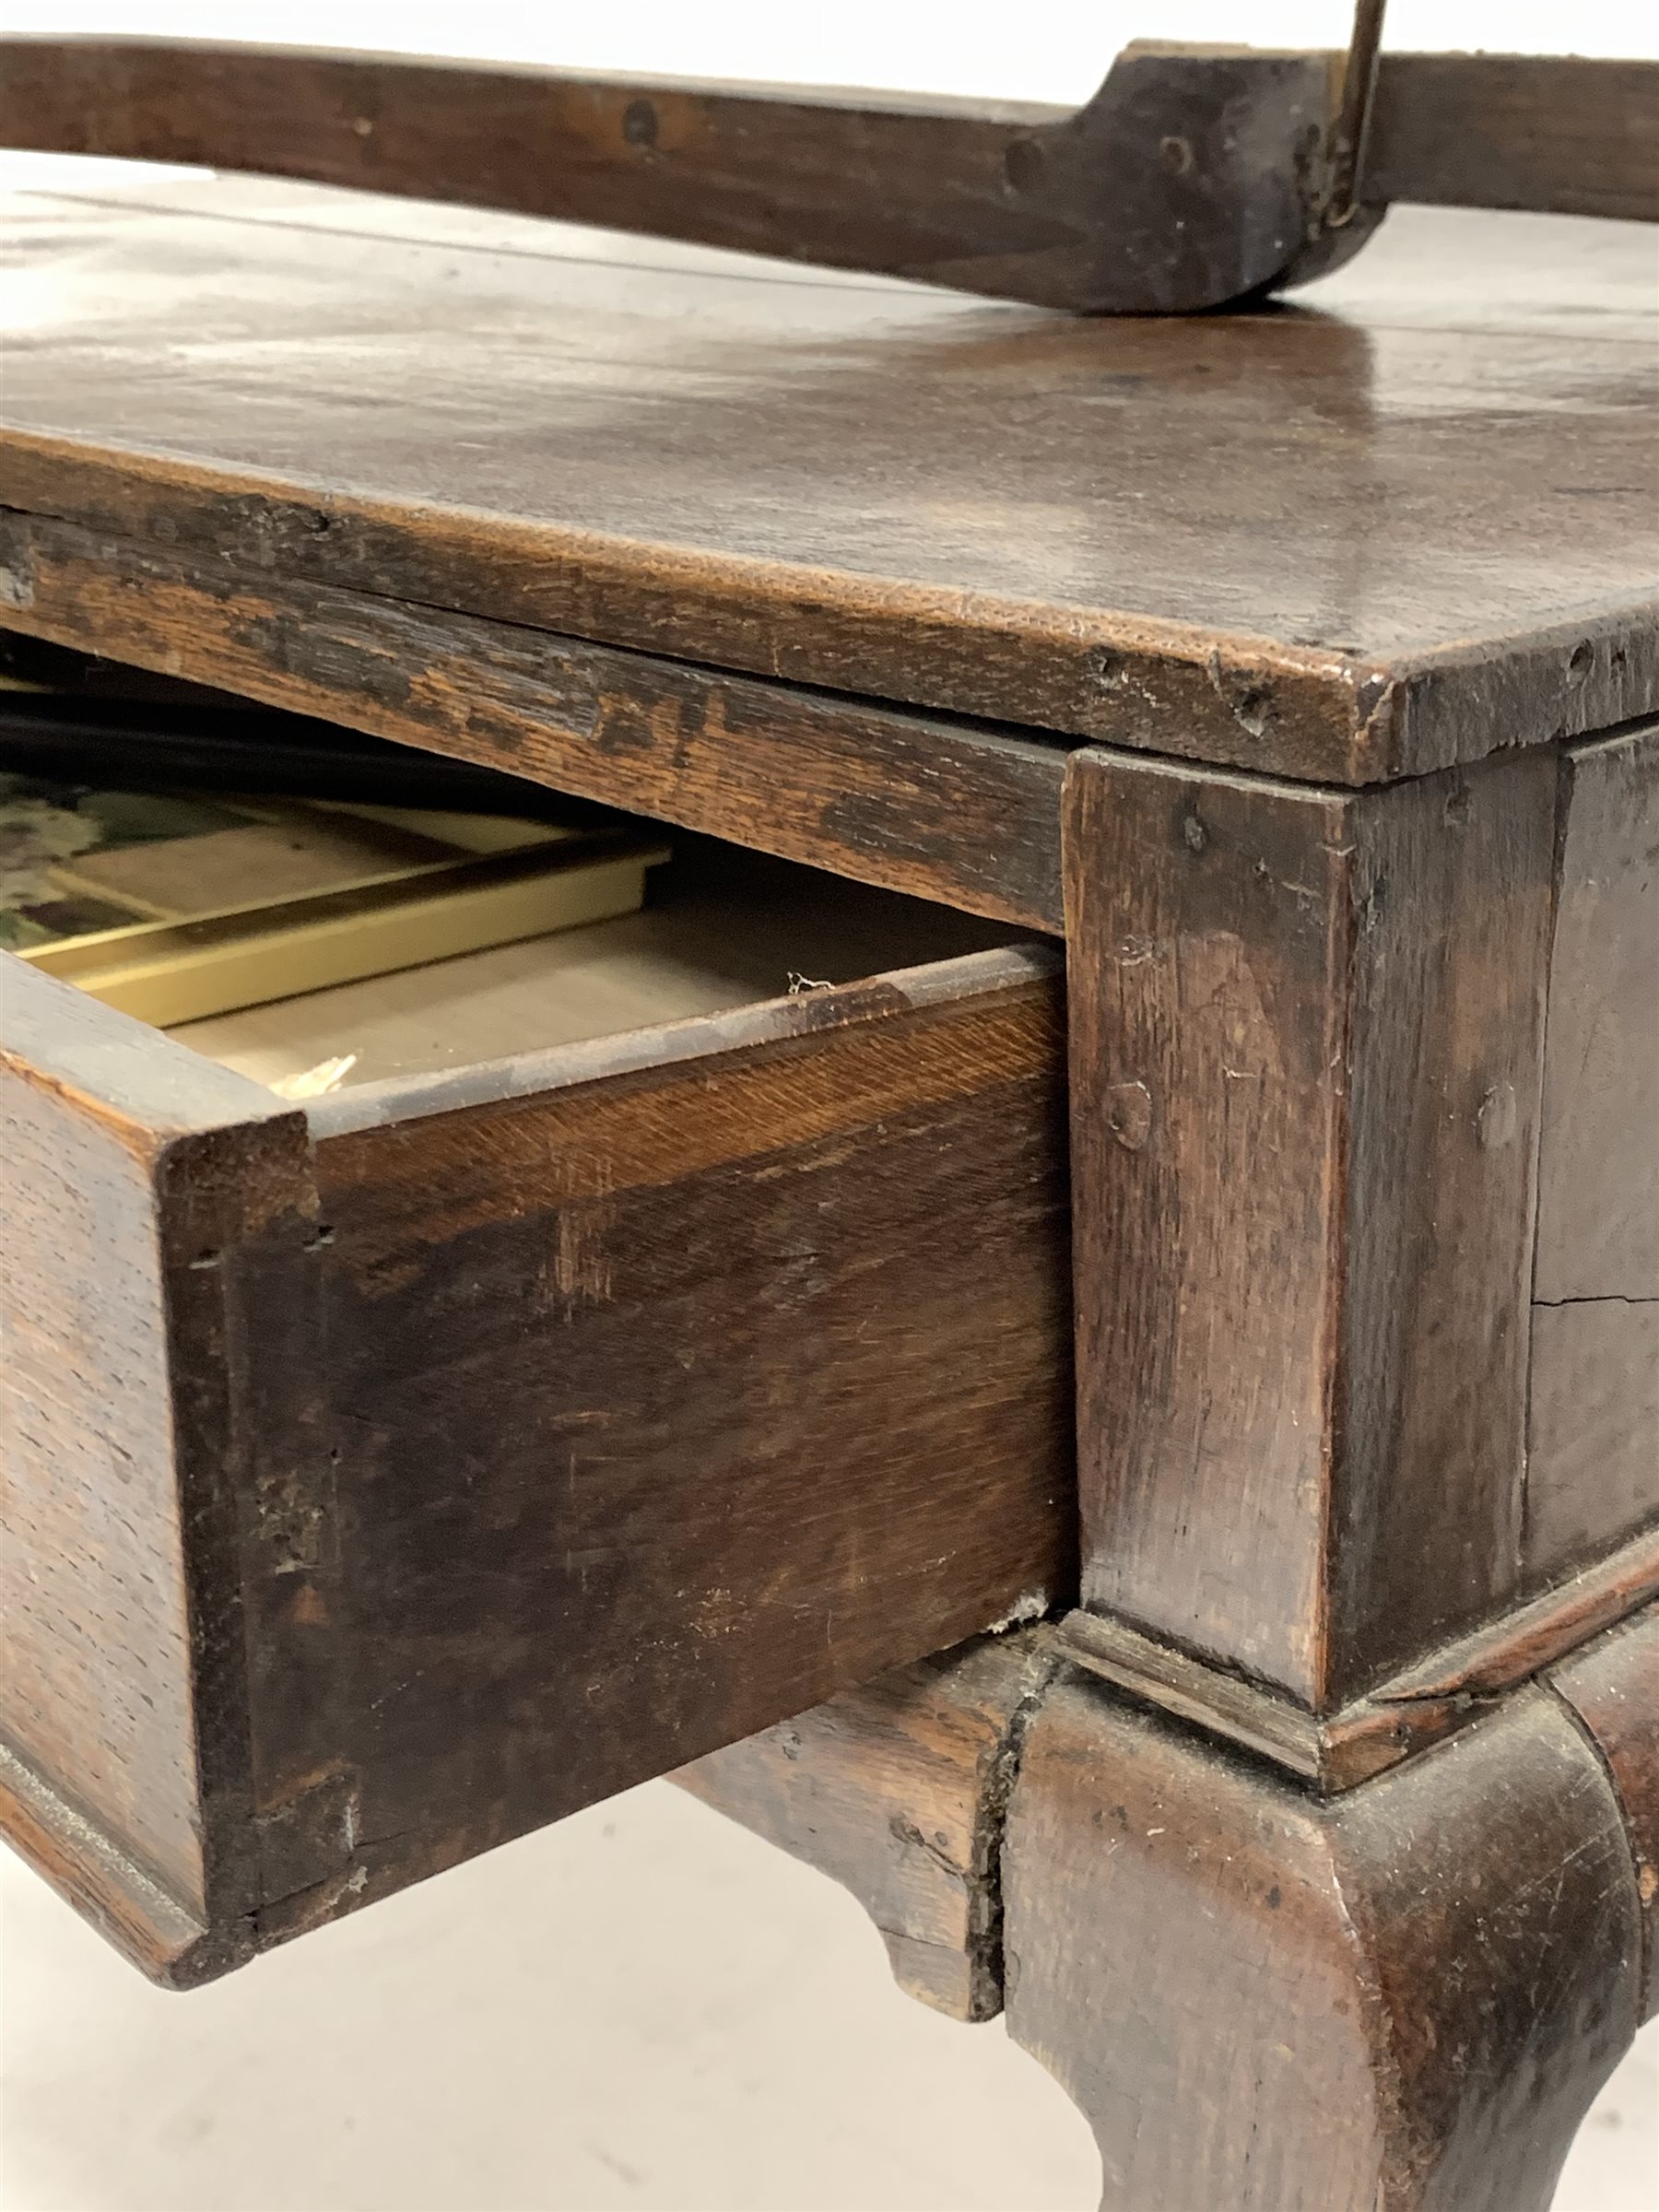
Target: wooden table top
(1406, 519)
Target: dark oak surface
(643, 1440)
(93, 1615)
(1613, 1688)
(1592, 1433)
(1593, 1445)
(1401, 524)
(156, 1216)
(388, 1478)
(1195, 175)
(900, 1790)
(948, 810)
(633, 1360)
(1396, 1718)
(1598, 1155)
(1400, 2002)
(1306, 1054)
(1191, 178)
(1511, 130)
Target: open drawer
(391, 1474)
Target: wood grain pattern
(666, 1405)
(1403, 2001)
(97, 1639)
(142, 1918)
(1613, 1688)
(1593, 1452)
(945, 811)
(1095, 528)
(513, 1432)
(1194, 177)
(1516, 130)
(1592, 1432)
(1598, 1157)
(1305, 1062)
(1333, 1751)
(148, 1201)
(1191, 178)
(1516, 1644)
(1398, 1716)
(899, 1791)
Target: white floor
(644, 2007)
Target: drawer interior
(129, 792)
(720, 928)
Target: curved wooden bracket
(899, 1791)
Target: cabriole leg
(1400, 2000)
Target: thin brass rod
(1354, 114)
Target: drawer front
(499, 1439)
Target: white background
(643, 2008)
(1043, 50)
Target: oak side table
(1261, 706)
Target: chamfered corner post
(1306, 1050)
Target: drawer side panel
(94, 1633)
(160, 1382)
